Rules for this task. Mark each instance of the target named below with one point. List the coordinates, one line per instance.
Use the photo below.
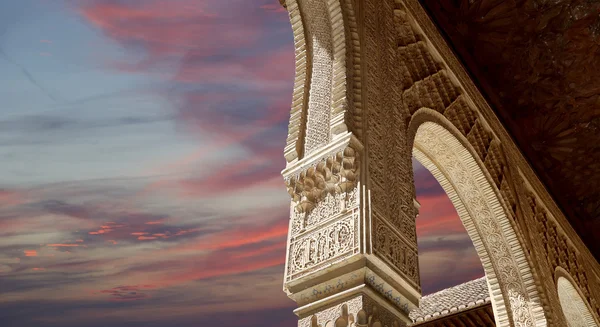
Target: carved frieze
(328, 208)
(323, 246)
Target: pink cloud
(276, 247)
(61, 245)
(236, 238)
(10, 198)
(166, 29)
(274, 7)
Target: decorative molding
(294, 147)
(335, 172)
(360, 311)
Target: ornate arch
(443, 150)
(576, 310)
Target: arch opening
(440, 148)
(447, 256)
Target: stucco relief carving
(389, 245)
(574, 307)
(327, 244)
(296, 128)
(318, 28)
(360, 311)
(389, 164)
(324, 214)
(330, 207)
(334, 173)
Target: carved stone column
(351, 255)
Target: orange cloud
(143, 238)
(30, 253)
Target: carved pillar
(351, 255)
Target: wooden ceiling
(538, 63)
(482, 316)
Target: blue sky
(140, 149)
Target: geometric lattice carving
(318, 28)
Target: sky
(141, 145)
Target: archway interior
(447, 256)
